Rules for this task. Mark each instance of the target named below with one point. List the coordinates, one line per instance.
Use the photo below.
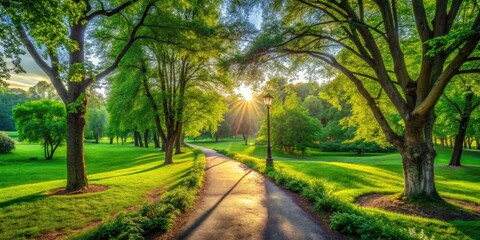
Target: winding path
(239, 203)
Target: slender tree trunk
(469, 142)
(145, 136)
(135, 138)
(178, 141)
(76, 170)
(477, 143)
(245, 138)
(464, 143)
(462, 130)
(155, 140)
(95, 135)
(216, 137)
(164, 146)
(442, 141)
(111, 140)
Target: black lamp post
(267, 99)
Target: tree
(374, 46)
(293, 129)
(462, 97)
(61, 26)
(42, 90)
(96, 121)
(42, 121)
(9, 98)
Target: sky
(25, 80)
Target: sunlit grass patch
(27, 211)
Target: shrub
(6, 143)
(181, 198)
(127, 225)
(364, 227)
(316, 190)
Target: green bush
(6, 143)
(365, 227)
(181, 198)
(315, 190)
(127, 225)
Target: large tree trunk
(76, 170)
(169, 146)
(417, 160)
(111, 140)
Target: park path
(239, 203)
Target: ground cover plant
(27, 211)
(343, 177)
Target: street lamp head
(267, 99)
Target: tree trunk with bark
(169, 146)
(178, 141)
(155, 140)
(76, 170)
(111, 140)
(417, 160)
(462, 130)
(145, 137)
(442, 141)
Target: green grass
(130, 173)
(348, 176)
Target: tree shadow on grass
(134, 173)
(27, 198)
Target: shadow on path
(202, 218)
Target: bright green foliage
(9, 98)
(43, 90)
(6, 143)
(42, 121)
(292, 128)
(96, 120)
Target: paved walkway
(239, 203)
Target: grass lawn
(130, 173)
(349, 176)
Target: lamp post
(267, 99)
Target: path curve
(239, 203)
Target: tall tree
(377, 37)
(61, 26)
(462, 97)
(42, 90)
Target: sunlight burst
(245, 92)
